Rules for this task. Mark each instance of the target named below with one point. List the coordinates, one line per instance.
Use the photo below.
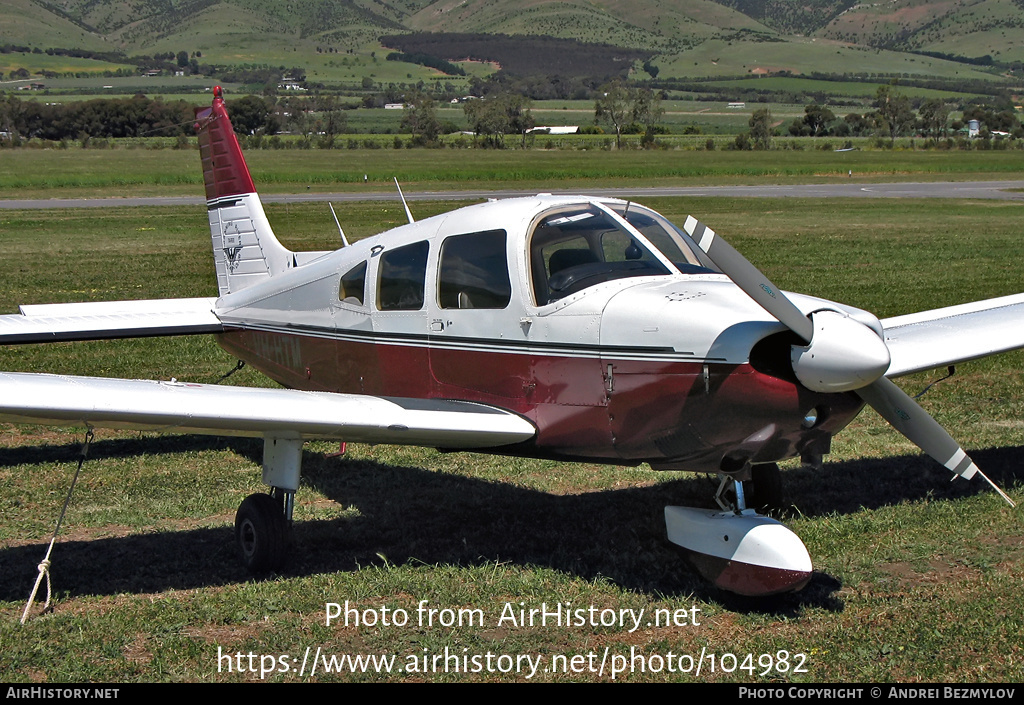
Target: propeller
(841, 355)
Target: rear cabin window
(402, 275)
(353, 285)
(579, 247)
(473, 271)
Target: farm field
(61, 90)
(58, 64)
(846, 89)
(917, 579)
(720, 57)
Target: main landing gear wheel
(766, 479)
(262, 532)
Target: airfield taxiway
(1000, 190)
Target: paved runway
(1002, 190)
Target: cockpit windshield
(669, 239)
(579, 246)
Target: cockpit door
(476, 337)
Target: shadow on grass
(409, 514)
(251, 448)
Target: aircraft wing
(946, 336)
(247, 411)
(214, 409)
(49, 323)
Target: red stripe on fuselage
(655, 411)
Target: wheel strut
(737, 485)
(285, 500)
(263, 522)
(763, 492)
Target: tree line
(893, 117)
(145, 117)
(623, 109)
(104, 117)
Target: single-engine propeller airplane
(564, 327)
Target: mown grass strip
(74, 172)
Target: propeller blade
(906, 416)
(748, 278)
(894, 405)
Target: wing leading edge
(246, 411)
(946, 336)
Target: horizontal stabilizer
(50, 323)
(246, 411)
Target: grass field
(56, 173)
(720, 57)
(917, 579)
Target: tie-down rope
(44, 567)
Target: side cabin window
(352, 289)
(579, 247)
(402, 273)
(473, 271)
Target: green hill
(30, 23)
(970, 28)
(339, 40)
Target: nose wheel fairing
(744, 552)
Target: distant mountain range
(685, 37)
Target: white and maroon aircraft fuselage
(595, 319)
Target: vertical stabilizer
(245, 250)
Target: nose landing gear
(738, 549)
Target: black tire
(767, 485)
(262, 533)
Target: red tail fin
(245, 251)
(224, 169)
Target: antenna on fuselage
(408, 213)
(340, 231)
